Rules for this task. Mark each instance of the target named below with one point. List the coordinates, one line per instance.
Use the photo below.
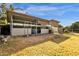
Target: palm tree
(11, 7)
(3, 6)
(3, 14)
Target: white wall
(43, 31)
(28, 31)
(55, 29)
(20, 31)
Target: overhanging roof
(54, 20)
(25, 16)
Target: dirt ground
(16, 44)
(68, 47)
(42, 45)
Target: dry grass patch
(70, 47)
(33, 47)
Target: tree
(75, 27)
(11, 7)
(3, 19)
(3, 6)
(67, 29)
(3, 14)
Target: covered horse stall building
(19, 24)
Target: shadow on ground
(16, 44)
(59, 38)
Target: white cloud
(41, 8)
(20, 11)
(69, 8)
(50, 10)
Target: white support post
(24, 28)
(27, 32)
(11, 25)
(0, 30)
(36, 28)
(72, 30)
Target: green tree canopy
(3, 18)
(3, 6)
(11, 7)
(75, 25)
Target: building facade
(19, 24)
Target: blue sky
(66, 13)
